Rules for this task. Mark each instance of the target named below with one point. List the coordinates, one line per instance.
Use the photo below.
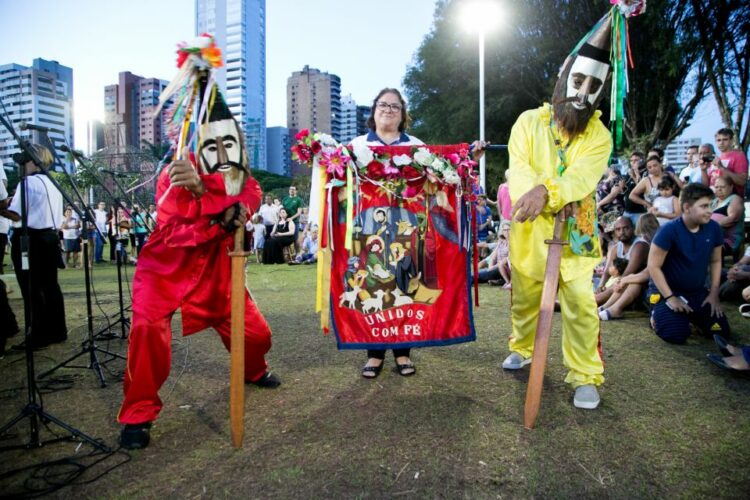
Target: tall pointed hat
(607, 42)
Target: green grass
(670, 424)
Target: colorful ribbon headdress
(608, 42)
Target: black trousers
(39, 286)
(3, 246)
(380, 354)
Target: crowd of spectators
(672, 241)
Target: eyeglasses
(382, 106)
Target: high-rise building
(95, 136)
(239, 27)
(128, 112)
(279, 155)
(348, 119)
(313, 102)
(363, 113)
(41, 94)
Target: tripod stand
(33, 410)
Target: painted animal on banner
(373, 303)
(350, 297)
(420, 292)
(399, 299)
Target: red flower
(453, 158)
(316, 147)
(302, 134)
(181, 57)
(301, 153)
(409, 172)
(375, 170)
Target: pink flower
(302, 134)
(410, 192)
(453, 158)
(390, 170)
(334, 163)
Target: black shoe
(135, 436)
(268, 381)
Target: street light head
(482, 15)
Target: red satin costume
(185, 264)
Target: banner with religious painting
(395, 242)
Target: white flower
(423, 157)
(326, 140)
(364, 154)
(451, 177)
(401, 160)
(438, 165)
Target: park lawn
(670, 423)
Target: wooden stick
(237, 372)
(544, 324)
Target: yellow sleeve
(520, 146)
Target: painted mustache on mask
(225, 166)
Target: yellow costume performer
(535, 160)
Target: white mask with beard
(584, 67)
(221, 151)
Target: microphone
(116, 174)
(66, 149)
(39, 128)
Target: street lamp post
(481, 15)
(482, 160)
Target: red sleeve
(187, 221)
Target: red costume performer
(186, 265)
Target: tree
(723, 30)
(667, 83)
(522, 62)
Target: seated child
(616, 269)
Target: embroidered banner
(396, 247)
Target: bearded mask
(581, 80)
(222, 147)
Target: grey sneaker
(515, 361)
(586, 397)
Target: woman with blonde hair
(38, 281)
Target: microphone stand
(88, 346)
(123, 320)
(34, 409)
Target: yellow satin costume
(534, 160)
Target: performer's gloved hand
(234, 217)
(183, 174)
(531, 204)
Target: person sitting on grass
(666, 206)
(732, 357)
(628, 246)
(497, 265)
(737, 279)
(616, 268)
(681, 254)
(309, 251)
(630, 287)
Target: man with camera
(730, 163)
(38, 283)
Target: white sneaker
(586, 397)
(515, 361)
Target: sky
(368, 43)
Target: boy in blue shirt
(681, 255)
